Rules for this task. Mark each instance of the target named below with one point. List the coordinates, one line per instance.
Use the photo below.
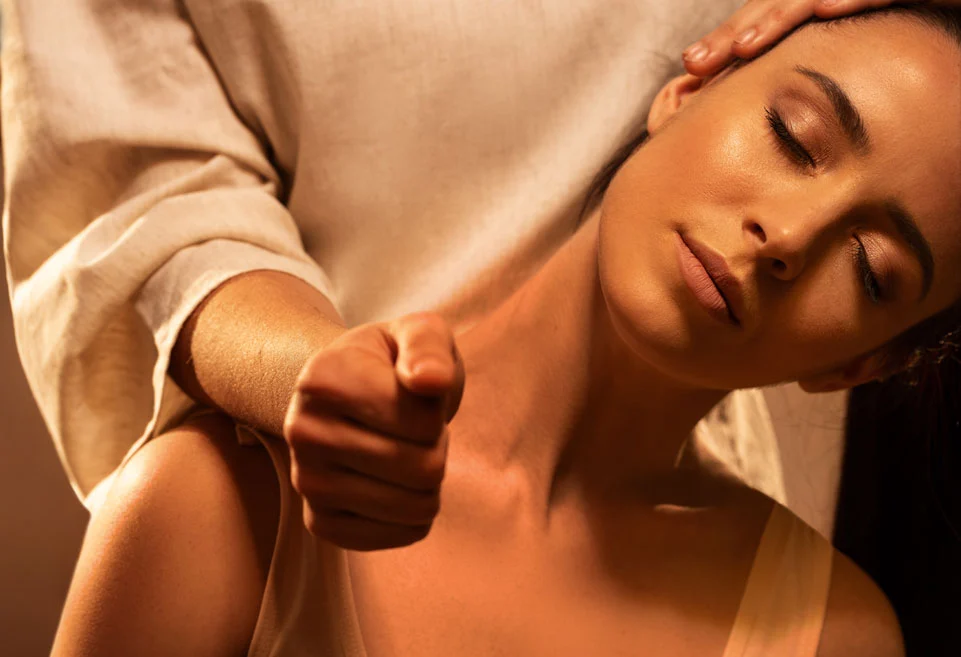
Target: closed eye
(863, 266)
(789, 144)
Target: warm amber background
(41, 521)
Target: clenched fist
(367, 431)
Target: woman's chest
(485, 583)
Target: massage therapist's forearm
(243, 347)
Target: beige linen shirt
(398, 155)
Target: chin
(673, 340)
(647, 305)
(649, 322)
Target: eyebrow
(907, 227)
(847, 114)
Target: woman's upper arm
(175, 561)
(859, 620)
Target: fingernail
(696, 53)
(746, 37)
(432, 365)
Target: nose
(783, 246)
(774, 254)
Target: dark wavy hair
(915, 353)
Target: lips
(725, 284)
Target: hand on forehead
(762, 23)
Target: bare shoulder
(180, 542)
(860, 620)
(199, 478)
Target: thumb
(426, 357)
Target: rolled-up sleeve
(132, 191)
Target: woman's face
(838, 237)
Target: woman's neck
(554, 396)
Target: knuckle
(424, 425)
(312, 526)
(431, 472)
(415, 534)
(362, 384)
(311, 442)
(324, 491)
(296, 431)
(290, 429)
(360, 357)
(726, 31)
(432, 505)
(318, 493)
(405, 508)
(331, 526)
(776, 16)
(297, 477)
(316, 488)
(366, 332)
(335, 533)
(331, 380)
(314, 523)
(423, 509)
(424, 467)
(306, 488)
(318, 364)
(321, 375)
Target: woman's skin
(583, 387)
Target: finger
(351, 383)
(352, 532)
(771, 27)
(425, 353)
(344, 444)
(714, 51)
(344, 490)
(829, 9)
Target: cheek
(821, 323)
(636, 276)
(729, 161)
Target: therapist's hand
(760, 23)
(367, 431)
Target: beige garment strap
(308, 604)
(782, 611)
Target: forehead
(904, 77)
